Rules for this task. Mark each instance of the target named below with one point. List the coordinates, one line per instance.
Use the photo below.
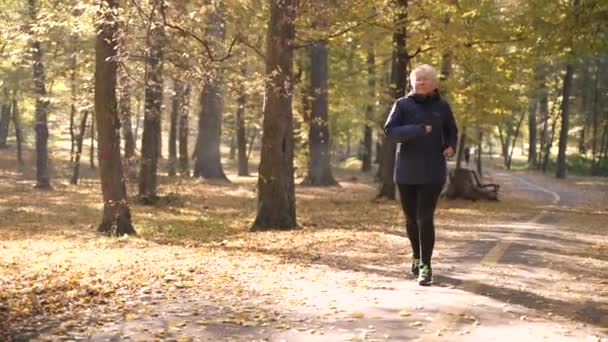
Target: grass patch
(576, 165)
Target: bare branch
(492, 42)
(254, 46)
(203, 42)
(142, 13)
(345, 30)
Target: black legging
(418, 202)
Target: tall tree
(366, 162)
(42, 104)
(78, 148)
(18, 132)
(175, 104)
(5, 116)
(319, 168)
(92, 144)
(208, 159)
(543, 111)
(150, 146)
(276, 188)
(478, 152)
(124, 105)
(560, 171)
(565, 123)
(509, 133)
(584, 83)
(595, 118)
(549, 132)
(241, 139)
(532, 107)
(116, 218)
(532, 119)
(183, 130)
(398, 84)
(73, 92)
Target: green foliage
(495, 49)
(581, 165)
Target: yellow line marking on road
(491, 258)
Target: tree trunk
(301, 122)
(152, 111)
(604, 145)
(232, 153)
(479, 154)
(276, 188)
(446, 65)
(252, 137)
(549, 144)
(595, 121)
(319, 170)
(543, 104)
(522, 147)
(42, 103)
(5, 118)
(532, 132)
(348, 152)
(159, 149)
(241, 142)
(78, 148)
(73, 92)
(366, 153)
(18, 132)
(563, 136)
(208, 159)
(92, 145)
(505, 141)
(183, 129)
(127, 129)
(399, 84)
(515, 136)
(175, 111)
(385, 84)
(116, 219)
(585, 85)
(582, 146)
(366, 160)
(138, 112)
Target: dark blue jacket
(419, 158)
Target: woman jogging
(423, 126)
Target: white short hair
(424, 69)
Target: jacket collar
(419, 98)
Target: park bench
(465, 183)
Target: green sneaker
(415, 267)
(425, 276)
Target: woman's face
(424, 84)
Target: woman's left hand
(448, 152)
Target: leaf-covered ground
(194, 272)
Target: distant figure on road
(423, 125)
(467, 154)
